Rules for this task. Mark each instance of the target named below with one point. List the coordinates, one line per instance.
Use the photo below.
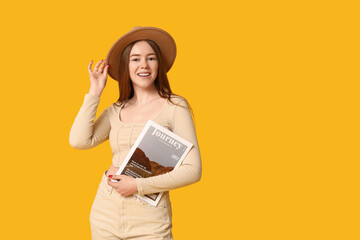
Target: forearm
(85, 133)
(188, 173)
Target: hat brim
(163, 39)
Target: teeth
(144, 74)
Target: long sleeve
(190, 170)
(85, 133)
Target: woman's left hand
(126, 185)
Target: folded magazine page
(156, 151)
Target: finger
(96, 68)
(101, 69)
(110, 178)
(116, 177)
(125, 194)
(89, 66)
(106, 69)
(111, 183)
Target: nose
(144, 64)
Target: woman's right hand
(98, 77)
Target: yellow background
(275, 90)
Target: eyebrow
(140, 55)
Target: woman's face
(143, 65)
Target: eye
(152, 58)
(135, 59)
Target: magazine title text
(167, 139)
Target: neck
(142, 96)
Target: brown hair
(126, 89)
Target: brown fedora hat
(163, 39)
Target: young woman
(139, 61)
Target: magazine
(156, 151)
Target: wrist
(95, 92)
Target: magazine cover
(156, 151)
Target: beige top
(87, 133)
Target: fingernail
(108, 66)
(110, 176)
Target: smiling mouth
(143, 74)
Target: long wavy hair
(126, 89)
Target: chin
(144, 85)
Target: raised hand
(98, 77)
